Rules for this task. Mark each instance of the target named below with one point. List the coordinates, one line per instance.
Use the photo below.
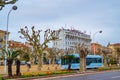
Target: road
(108, 75)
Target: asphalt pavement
(104, 75)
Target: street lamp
(94, 37)
(6, 42)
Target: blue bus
(92, 61)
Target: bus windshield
(65, 61)
(93, 60)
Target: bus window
(64, 61)
(94, 60)
(76, 60)
(88, 61)
(99, 60)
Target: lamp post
(94, 38)
(6, 42)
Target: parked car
(22, 62)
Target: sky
(88, 16)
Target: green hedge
(45, 74)
(108, 68)
(113, 62)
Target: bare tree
(83, 51)
(5, 2)
(53, 54)
(104, 51)
(118, 55)
(34, 40)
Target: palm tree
(10, 56)
(23, 52)
(18, 67)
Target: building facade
(99, 49)
(114, 49)
(69, 38)
(2, 40)
(17, 45)
(95, 48)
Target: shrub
(103, 69)
(112, 62)
(108, 68)
(49, 73)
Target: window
(93, 60)
(4, 37)
(1, 39)
(99, 60)
(64, 61)
(0, 46)
(76, 60)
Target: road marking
(116, 77)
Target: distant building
(98, 49)
(2, 40)
(27, 44)
(16, 45)
(69, 38)
(114, 47)
(95, 48)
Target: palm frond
(11, 54)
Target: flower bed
(38, 74)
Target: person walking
(28, 65)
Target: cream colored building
(114, 47)
(2, 39)
(68, 39)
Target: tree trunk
(18, 68)
(35, 60)
(9, 61)
(53, 61)
(69, 65)
(119, 61)
(50, 61)
(82, 64)
(105, 63)
(39, 62)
